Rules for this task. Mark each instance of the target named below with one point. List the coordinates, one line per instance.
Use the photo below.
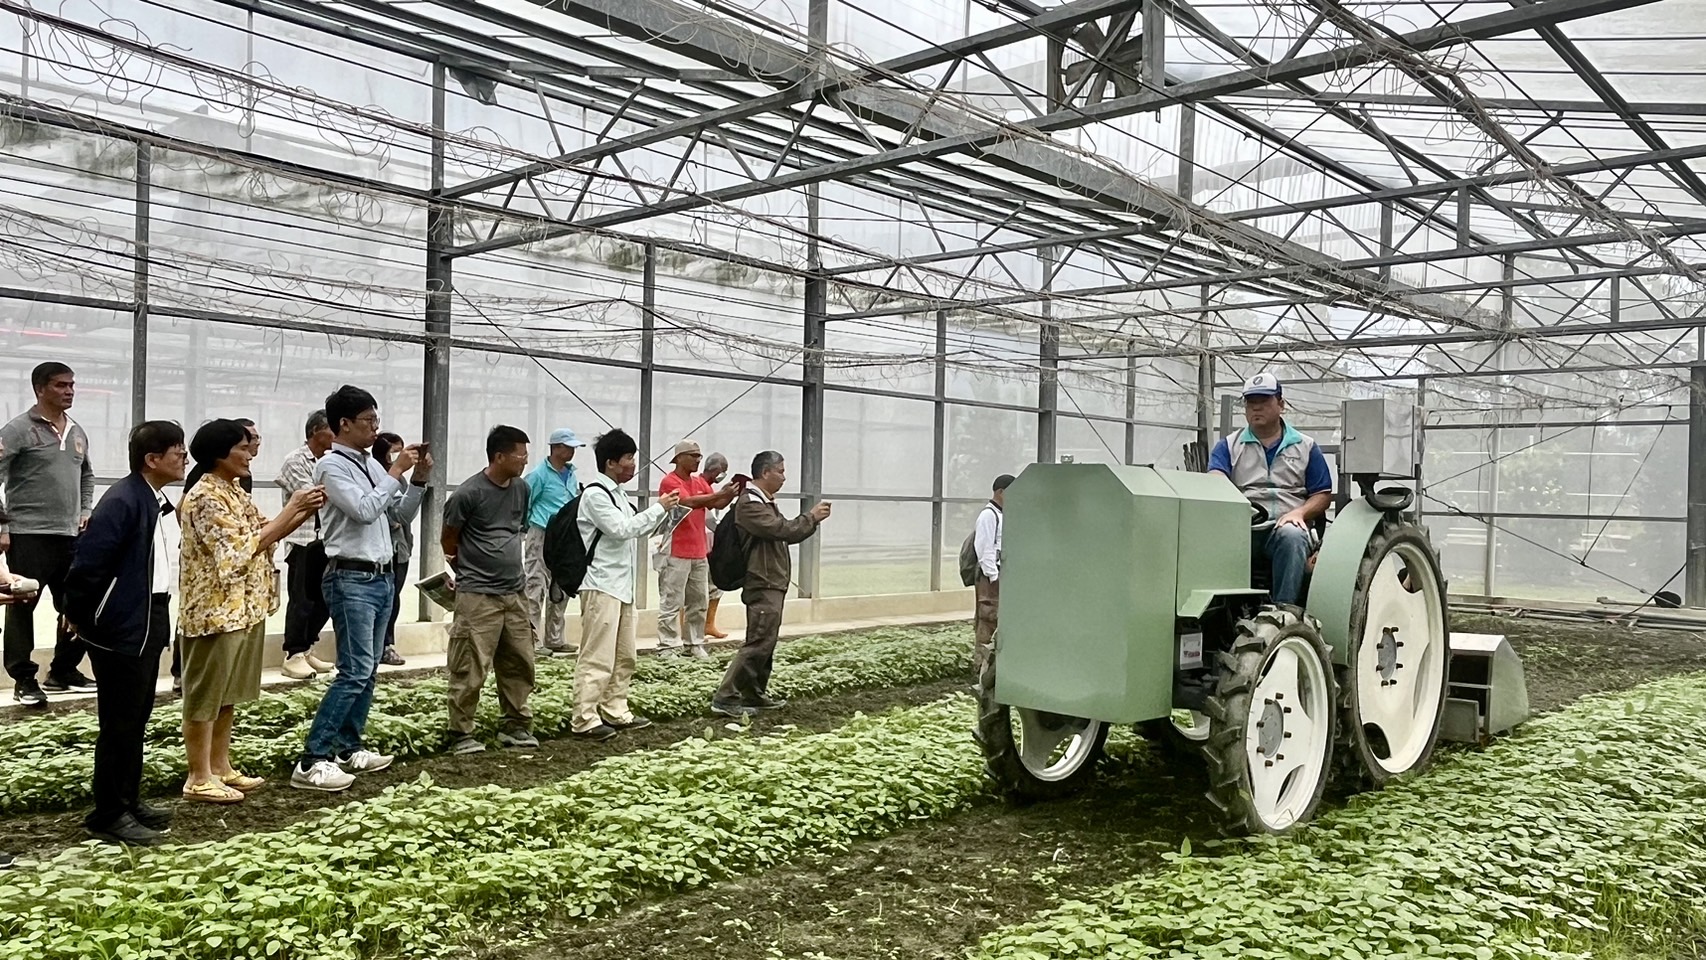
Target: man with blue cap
(550, 486)
(1283, 472)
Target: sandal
(211, 791)
(244, 783)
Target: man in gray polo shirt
(49, 488)
(484, 522)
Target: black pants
(748, 676)
(305, 613)
(47, 559)
(124, 698)
(399, 577)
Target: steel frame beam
(655, 20)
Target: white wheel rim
(1286, 734)
(1401, 659)
(1191, 725)
(1053, 747)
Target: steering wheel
(1260, 519)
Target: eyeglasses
(372, 421)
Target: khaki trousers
(490, 632)
(682, 585)
(984, 623)
(546, 608)
(604, 668)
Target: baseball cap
(1263, 385)
(566, 437)
(684, 447)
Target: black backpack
(729, 550)
(566, 555)
(968, 551)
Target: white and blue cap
(1263, 385)
(566, 437)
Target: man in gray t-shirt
(483, 524)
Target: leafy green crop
(47, 763)
(419, 867)
(1587, 828)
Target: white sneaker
(323, 776)
(296, 667)
(364, 761)
(320, 666)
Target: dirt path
(934, 890)
(276, 804)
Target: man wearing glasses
(355, 524)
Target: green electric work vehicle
(1128, 597)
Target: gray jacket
(48, 481)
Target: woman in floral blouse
(228, 586)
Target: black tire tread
(1229, 711)
(1356, 770)
(1001, 763)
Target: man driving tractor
(1282, 472)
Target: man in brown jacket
(769, 571)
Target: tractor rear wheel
(1397, 663)
(1271, 720)
(1033, 754)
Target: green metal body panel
(1332, 588)
(1214, 537)
(1097, 561)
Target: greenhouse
(917, 248)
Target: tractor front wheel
(1271, 723)
(1033, 754)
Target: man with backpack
(769, 570)
(985, 546)
(603, 575)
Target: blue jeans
(1287, 550)
(360, 604)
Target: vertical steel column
(1421, 445)
(1130, 410)
(648, 346)
(813, 334)
(1464, 233)
(1048, 366)
(939, 453)
(1205, 382)
(1205, 401)
(1694, 579)
(1187, 150)
(435, 390)
(1152, 71)
(139, 312)
(1386, 250)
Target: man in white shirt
(124, 571)
(305, 613)
(987, 543)
(609, 527)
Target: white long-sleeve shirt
(606, 510)
(988, 541)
